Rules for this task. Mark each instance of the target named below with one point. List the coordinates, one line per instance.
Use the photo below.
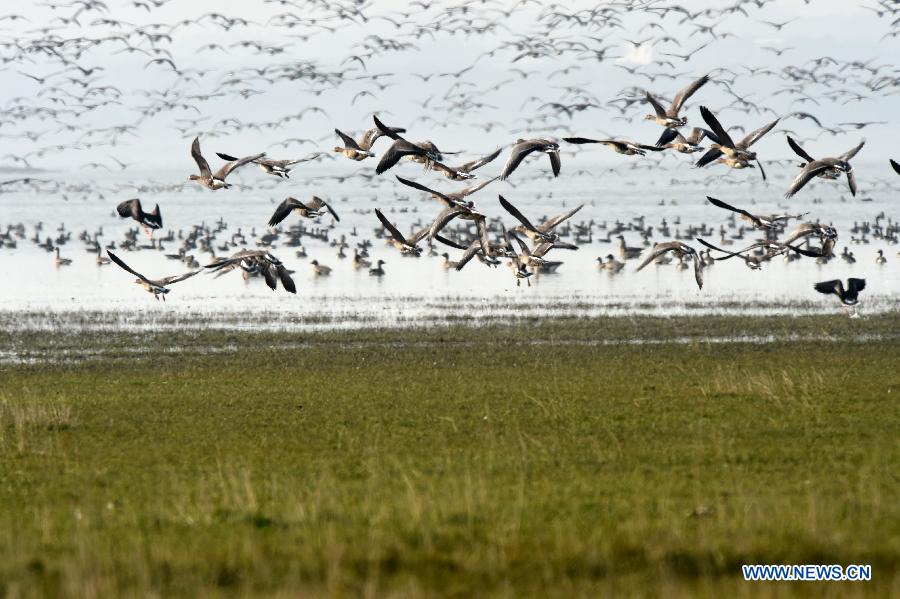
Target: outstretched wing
(721, 204)
(551, 223)
(130, 209)
(714, 124)
(856, 285)
(806, 175)
(828, 287)
(517, 214)
(397, 235)
(348, 141)
(127, 268)
(421, 187)
(518, 154)
(202, 164)
(754, 136)
(682, 96)
(283, 210)
(846, 156)
(471, 166)
(317, 203)
(895, 165)
(657, 107)
(798, 150)
(235, 164)
(176, 278)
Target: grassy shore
(526, 459)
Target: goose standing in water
(320, 270)
(158, 287)
(216, 180)
(626, 252)
(60, 261)
(378, 270)
(524, 147)
(150, 221)
(825, 168)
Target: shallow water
(416, 290)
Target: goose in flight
(669, 117)
(362, 149)
(679, 250)
(519, 268)
(257, 262)
(216, 180)
(408, 246)
(758, 221)
(737, 155)
(464, 171)
(455, 204)
(524, 147)
(826, 168)
(544, 231)
(276, 168)
(848, 296)
(673, 139)
(311, 209)
(150, 221)
(620, 146)
(425, 152)
(158, 287)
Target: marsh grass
(508, 460)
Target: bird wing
(154, 217)
(395, 152)
(722, 137)
(519, 152)
(682, 96)
(127, 268)
(551, 223)
(856, 285)
(421, 187)
(316, 203)
(470, 190)
(285, 277)
(895, 165)
(798, 150)
(396, 234)
(698, 270)
(582, 140)
(450, 242)
(555, 163)
(470, 252)
(808, 172)
(202, 164)
(522, 245)
(851, 182)
(721, 204)
(348, 141)
(754, 136)
(658, 250)
(177, 278)
(283, 210)
(235, 164)
(517, 214)
(846, 156)
(668, 135)
(827, 287)
(391, 132)
(442, 219)
(226, 157)
(709, 156)
(657, 107)
(130, 209)
(471, 166)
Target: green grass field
(515, 460)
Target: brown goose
(669, 117)
(150, 221)
(464, 171)
(524, 147)
(216, 180)
(276, 168)
(738, 155)
(257, 262)
(408, 246)
(679, 250)
(310, 209)
(758, 221)
(362, 149)
(826, 168)
(456, 204)
(620, 146)
(158, 287)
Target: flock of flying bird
(460, 224)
